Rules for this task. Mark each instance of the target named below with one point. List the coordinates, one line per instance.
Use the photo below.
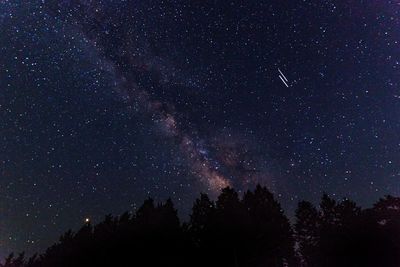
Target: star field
(104, 103)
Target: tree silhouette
(347, 213)
(307, 233)
(222, 238)
(328, 211)
(201, 219)
(385, 216)
(272, 237)
(12, 261)
(233, 231)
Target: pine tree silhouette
(233, 231)
(307, 233)
(201, 219)
(271, 236)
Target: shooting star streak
(284, 77)
(283, 81)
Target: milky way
(162, 113)
(106, 103)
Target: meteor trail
(283, 77)
(283, 81)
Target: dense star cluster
(104, 103)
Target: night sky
(104, 103)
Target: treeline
(233, 231)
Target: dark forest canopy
(234, 231)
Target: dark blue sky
(104, 103)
